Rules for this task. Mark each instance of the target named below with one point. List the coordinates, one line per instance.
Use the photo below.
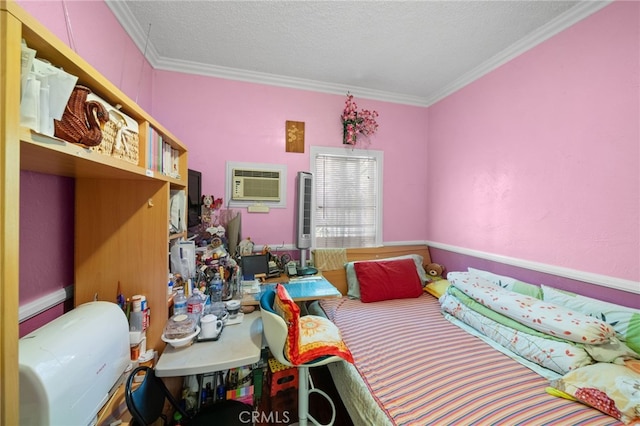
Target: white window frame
(352, 153)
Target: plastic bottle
(195, 304)
(220, 390)
(216, 288)
(180, 303)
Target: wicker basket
(126, 140)
(109, 132)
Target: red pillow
(391, 279)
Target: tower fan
(304, 220)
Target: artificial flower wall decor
(356, 122)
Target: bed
(417, 364)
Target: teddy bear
(434, 272)
(207, 201)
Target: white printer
(68, 366)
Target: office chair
(275, 331)
(146, 403)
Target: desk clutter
(138, 315)
(204, 305)
(204, 323)
(244, 384)
(267, 386)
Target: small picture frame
(294, 136)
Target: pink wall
(46, 234)
(100, 40)
(222, 120)
(539, 160)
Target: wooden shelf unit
(121, 209)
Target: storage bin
(281, 377)
(284, 405)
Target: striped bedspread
(423, 370)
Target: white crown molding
(190, 67)
(588, 277)
(553, 27)
(139, 37)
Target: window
(348, 197)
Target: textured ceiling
(413, 52)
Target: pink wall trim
(539, 159)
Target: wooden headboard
(338, 277)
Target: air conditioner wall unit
(255, 185)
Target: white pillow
(353, 286)
(509, 283)
(625, 321)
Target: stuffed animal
(207, 201)
(435, 271)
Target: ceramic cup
(210, 326)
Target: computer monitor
(254, 264)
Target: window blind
(346, 201)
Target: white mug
(233, 307)
(210, 327)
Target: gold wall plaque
(295, 136)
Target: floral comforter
(554, 354)
(552, 336)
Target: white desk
(239, 345)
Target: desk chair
(146, 402)
(275, 331)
